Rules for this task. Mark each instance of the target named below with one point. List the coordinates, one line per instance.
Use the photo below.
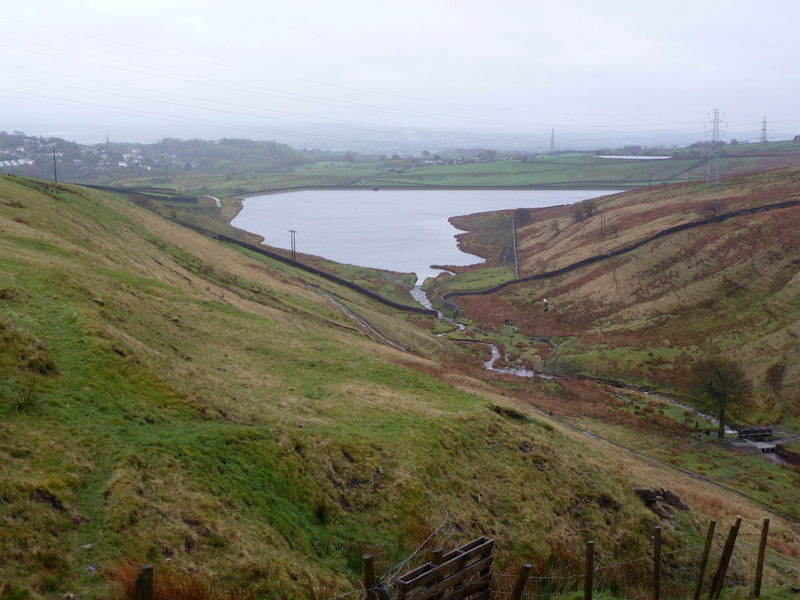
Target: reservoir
(398, 230)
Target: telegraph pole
(294, 253)
(552, 142)
(712, 178)
(55, 169)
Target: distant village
(52, 157)
(45, 157)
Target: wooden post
(657, 564)
(369, 577)
(704, 561)
(143, 587)
(437, 556)
(756, 593)
(589, 572)
(486, 574)
(522, 579)
(724, 560)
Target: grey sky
(600, 71)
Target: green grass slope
(168, 399)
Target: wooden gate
(464, 573)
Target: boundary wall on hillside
(348, 284)
(145, 200)
(624, 250)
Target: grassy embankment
(169, 399)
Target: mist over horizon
(410, 141)
(377, 78)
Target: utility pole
(274, 169)
(712, 178)
(55, 169)
(764, 133)
(294, 253)
(552, 142)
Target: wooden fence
(466, 573)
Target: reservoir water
(398, 230)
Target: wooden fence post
(722, 568)
(704, 561)
(143, 587)
(587, 579)
(437, 556)
(522, 579)
(369, 577)
(762, 546)
(657, 564)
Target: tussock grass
(172, 584)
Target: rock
(660, 501)
(647, 496)
(673, 499)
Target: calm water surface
(399, 230)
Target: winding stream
(422, 297)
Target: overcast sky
(599, 71)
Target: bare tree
(584, 209)
(718, 385)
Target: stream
(422, 297)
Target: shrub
(26, 394)
(774, 376)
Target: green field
(563, 170)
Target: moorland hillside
(167, 398)
(668, 274)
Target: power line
(265, 91)
(712, 178)
(294, 250)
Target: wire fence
(661, 574)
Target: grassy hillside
(168, 399)
(727, 287)
(583, 170)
